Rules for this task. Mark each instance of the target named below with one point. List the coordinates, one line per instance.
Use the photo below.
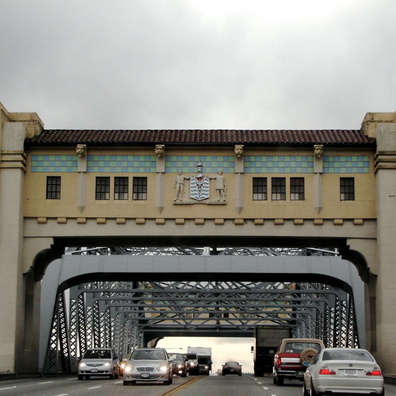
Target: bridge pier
(385, 168)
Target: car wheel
(87, 377)
(279, 380)
(305, 392)
(313, 391)
(80, 377)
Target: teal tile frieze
(210, 163)
(279, 164)
(260, 164)
(121, 163)
(54, 163)
(346, 164)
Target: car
(231, 368)
(292, 358)
(179, 366)
(99, 362)
(192, 363)
(122, 365)
(343, 371)
(148, 365)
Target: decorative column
(12, 286)
(160, 181)
(318, 171)
(385, 170)
(81, 151)
(239, 151)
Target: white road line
(95, 387)
(47, 382)
(10, 387)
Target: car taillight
(279, 361)
(326, 371)
(375, 372)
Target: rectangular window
(121, 187)
(53, 187)
(139, 188)
(102, 188)
(259, 188)
(347, 189)
(278, 188)
(297, 192)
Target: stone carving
(159, 150)
(199, 185)
(220, 186)
(81, 150)
(318, 150)
(200, 188)
(179, 185)
(239, 150)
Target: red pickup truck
(293, 357)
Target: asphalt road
(190, 386)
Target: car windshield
(148, 355)
(176, 356)
(347, 354)
(97, 354)
(298, 347)
(232, 364)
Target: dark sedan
(179, 366)
(231, 368)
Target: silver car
(148, 365)
(99, 362)
(343, 370)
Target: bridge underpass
(126, 298)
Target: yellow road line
(182, 386)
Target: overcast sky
(199, 64)
(226, 64)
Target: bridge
(187, 190)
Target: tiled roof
(66, 137)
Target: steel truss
(126, 315)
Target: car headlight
(128, 368)
(122, 365)
(163, 369)
(107, 364)
(82, 364)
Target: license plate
(231, 370)
(94, 370)
(145, 375)
(350, 373)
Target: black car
(179, 366)
(231, 368)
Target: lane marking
(10, 387)
(46, 382)
(180, 387)
(95, 387)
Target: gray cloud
(198, 64)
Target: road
(190, 386)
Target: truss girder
(118, 314)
